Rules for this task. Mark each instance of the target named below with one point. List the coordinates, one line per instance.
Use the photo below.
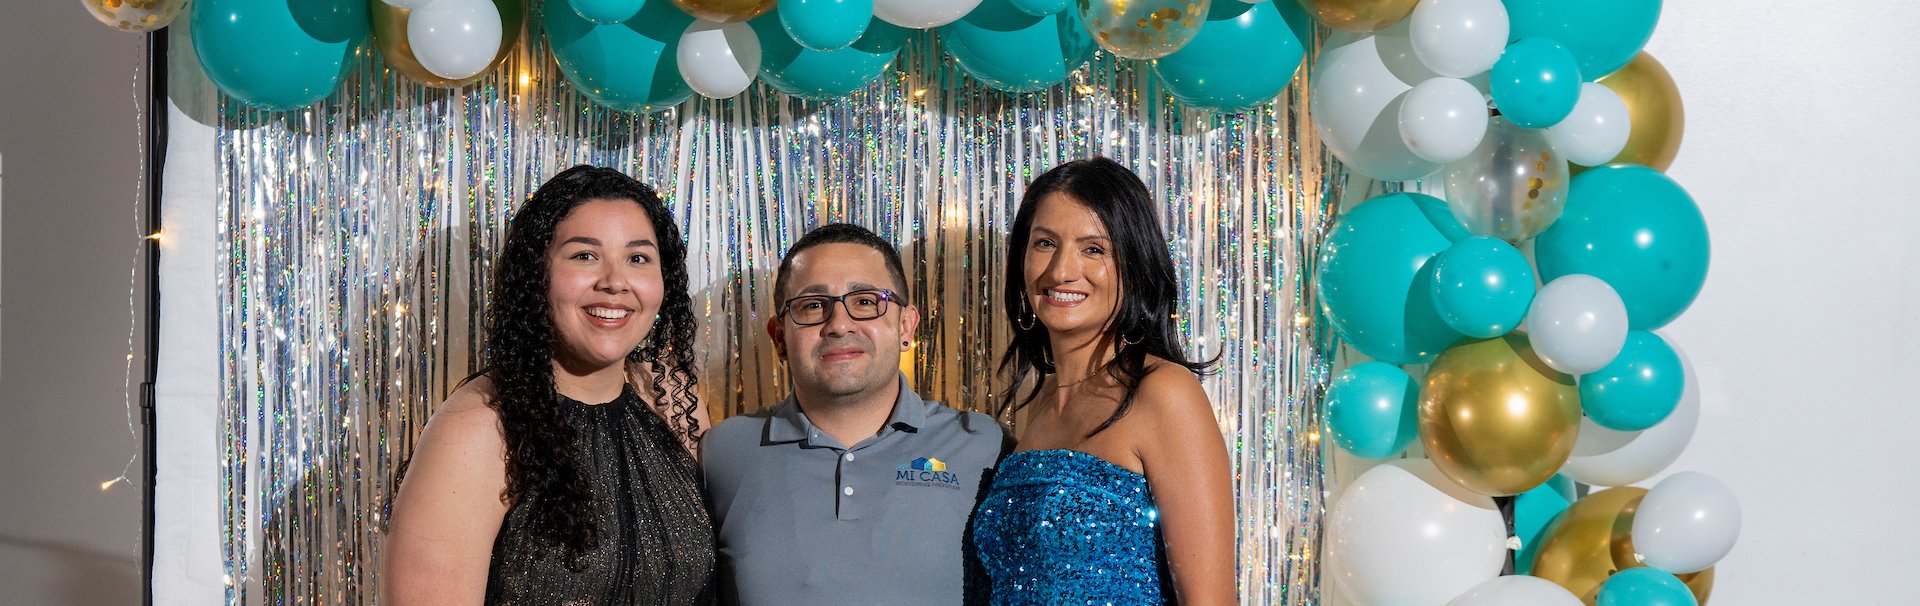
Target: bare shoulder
(466, 417)
(1170, 392)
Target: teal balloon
(1038, 8)
(1244, 55)
(630, 66)
(1375, 278)
(1638, 389)
(1535, 83)
(804, 72)
(604, 12)
(1371, 410)
(278, 55)
(1638, 231)
(1533, 510)
(1644, 586)
(1602, 34)
(1013, 51)
(824, 25)
(1482, 287)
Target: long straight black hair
(1143, 321)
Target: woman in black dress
(562, 473)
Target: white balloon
(455, 39)
(1686, 523)
(1606, 457)
(1443, 119)
(1597, 129)
(407, 3)
(1516, 590)
(719, 60)
(922, 14)
(1356, 99)
(1577, 324)
(1404, 534)
(1459, 38)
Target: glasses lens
(809, 310)
(866, 304)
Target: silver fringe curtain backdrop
(357, 237)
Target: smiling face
(1072, 281)
(843, 357)
(603, 283)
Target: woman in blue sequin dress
(1119, 491)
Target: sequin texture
(1067, 527)
(656, 541)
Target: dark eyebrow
(1079, 239)
(822, 288)
(596, 242)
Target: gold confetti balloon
(1142, 29)
(1593, 539)
(725, 11)
(390, 35)
(1494, 418)
(135, 15)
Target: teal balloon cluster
(278, 55)
(1482, 287)
(1375, 280)
(1244, 55)
(1644, 586)
(1637, 230)
(800, 71)
(629, 66)
(1638, 389)
(1008, 48)
(1371, 410)
(824, 25)
(1535, 83)
(1602, 35)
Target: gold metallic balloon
(1358, 15)
(725, 11)
(135, 15)
(1653, 109)
(1142, 29)
(1594, 539)
(1494, 418)
(390, 34)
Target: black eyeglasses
(811, 310)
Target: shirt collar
(787, 424)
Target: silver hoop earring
(1125, 342)
(1026, 313)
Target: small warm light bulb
(1313, 436)
(153, 236)
(917, 93)
(108, 484)
(525, 79)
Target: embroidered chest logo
(926, 471)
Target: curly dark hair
(542, 458)
(1143, 323)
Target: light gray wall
(68, 232)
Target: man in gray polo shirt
(853, 490)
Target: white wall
(68, 133)
(1800, 128)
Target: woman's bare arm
(450, 505)
(1187, 469)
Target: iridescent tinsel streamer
(358, 236)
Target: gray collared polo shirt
(803, 519)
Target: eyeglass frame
(786, 308)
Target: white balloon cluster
(454, 39)
(1398, 104)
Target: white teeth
(609, 314)
(1066, 297)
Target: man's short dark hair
(841, 233)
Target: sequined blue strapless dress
(1067, 527)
